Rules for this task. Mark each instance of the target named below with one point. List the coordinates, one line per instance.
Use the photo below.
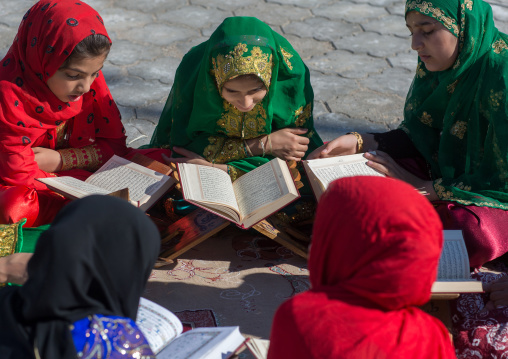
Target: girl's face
(244, 92)
(437, 47)
(71, 82)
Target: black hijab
(94, 259)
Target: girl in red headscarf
(373, 260)
(57, 116)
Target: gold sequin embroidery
(495, 99)
(245, 125)
(499, 46)
(458, 129)
(287, 56)
(420, 73)
(451, 87)
(427, 8)
(61, 132)
(222, 150)
(302, 115)
(86, 158)
(446, 195)
(9, 234)
(469, 4)
(235, 173)
(234, 64)
(426, 119)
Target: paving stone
(139, 132)
(11, 20)
(345, 64)
(180, 48)
(397, 8)
(369, 105)
(390, 81)
(99, 5)
(500, 13)
(274, 14)
(7, 37)
(373, 44)
(159, 34)
(228, 5)
(151, 6)
(388, 25)
(127, 113)
(332, 125)
(162, 69)
(134, 92)
(111, 71)
(302, 3)
(151, 113)
(194, 16)
(407, 60)
(348, 11)
(15, 7)
(307, 47)
(319, 109)
(120, 19)
(322, 29)
(124, 52)
(328, 87)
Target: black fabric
(397, 144)
(94, 259)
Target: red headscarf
(374, 256)
(29, 111)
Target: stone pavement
(358, 52)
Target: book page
(73, 186)
(115, 175)
(207, 184)
(258, 347)
(204, 342)
(329, 169)
(157, 324)
(259, 187)
(454, 261)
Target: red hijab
(29, 111)
(374, 256)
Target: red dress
(374, 254)
(87, 132)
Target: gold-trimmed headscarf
(240, 61)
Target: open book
(163, 331)
(453, 274)
(248, 200)
(323, 171)
(145, 186)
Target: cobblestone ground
(358, 52)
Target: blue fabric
(100, 336)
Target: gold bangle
(269, 140)
(247, 149)
(262, 146)
(359, 139)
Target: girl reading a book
(453, 142)
(372, 261)
(57, 116)
(238, 100)
(81, 286)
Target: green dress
(458, 118)
(197, 118)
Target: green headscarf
(458, 118)
(197, 118)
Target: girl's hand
(13, 268)
(343, 145)
(47, 159)
(498, 293)
(287, 144)
(383, 163)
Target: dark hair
(91, 46)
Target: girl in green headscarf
(455, 127)
(238, 100)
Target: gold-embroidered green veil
(458, 118)
(197, 118)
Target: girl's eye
(428, 32)
(72, 77)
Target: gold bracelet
(247, 149)
(269, 140)
(262, 146)
(359, 139)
